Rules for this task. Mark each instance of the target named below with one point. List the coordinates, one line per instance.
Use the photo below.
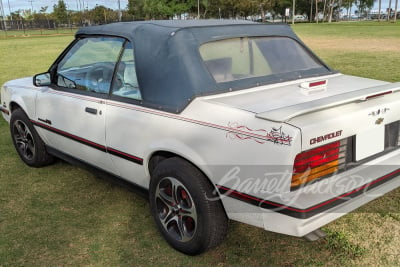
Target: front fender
(19, 93)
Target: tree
(379, 11)
(305, 7)
(332, 7)
(389, 10)
(60, 12)
(43, 9)
(16, 15)
(27, 14)
(42, 13)
(363, 5)
(348, 4)
(205, 4)
(135, 8)
(101, 14)
(179, 7)
(159, 9)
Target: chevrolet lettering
(325, 137)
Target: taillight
(318, 163)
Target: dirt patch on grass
(354, 44)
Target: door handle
(91, 110)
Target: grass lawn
(63, 215)
(369, 49)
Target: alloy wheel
(176, 209)
(24, 140)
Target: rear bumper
(307, 209)
(300, 227)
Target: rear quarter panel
(219, 140)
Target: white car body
(244, 144)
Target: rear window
(242, 58)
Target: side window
(125, 82)
(89, 65)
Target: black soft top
(168, 63)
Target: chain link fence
(23, 27)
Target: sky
(16, 5)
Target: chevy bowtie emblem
(379, 121)
(379, 112)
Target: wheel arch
(33, 151)
(156, 157)
(25, 102)
(14, 105)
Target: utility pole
(2, 15)
(293, 13)
(119, 11)
(379, 12)
(198, 9)
(31, 6)
(9, 8)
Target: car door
(125, 124)
(71, 113)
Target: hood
(26, 82)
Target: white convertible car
(218, 120)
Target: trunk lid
(349, 107)
(288, 98)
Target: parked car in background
(300, 18)
(218, 120)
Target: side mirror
(42, 79)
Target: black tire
(27, 142)
(185, 207)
